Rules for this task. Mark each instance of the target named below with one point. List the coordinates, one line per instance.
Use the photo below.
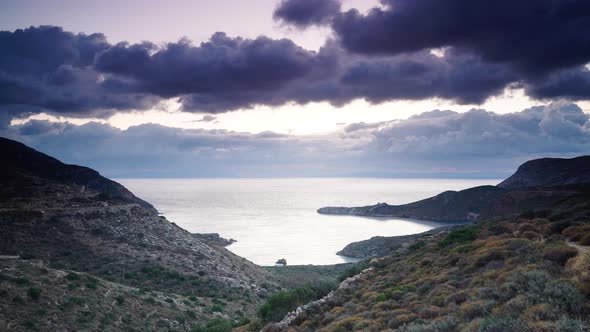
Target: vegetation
(34, 293)
(279, 304)
(518, 273)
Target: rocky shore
(379, 246)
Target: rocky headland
(537, 183)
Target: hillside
(547, 172)
(537, 183)
(68, 219)
(529, 272)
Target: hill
(84, 242)
(537, 183)
(548, 172)
(527, 272)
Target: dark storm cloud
(420, 75)
(48, 68)
(573, 84)
(303, 13)
(221, 74)
(535, 36)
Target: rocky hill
(537, 183)
(527, 272)
(58, 220)
(547, 172)
(20, 162)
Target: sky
(396, 88)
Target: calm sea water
(276, 218)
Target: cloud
(436, 143)
(216, 76)
(534, 37)
(303, 13)
(46, 69)
(572, 83)
(208, 118)
(555, 129)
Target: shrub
(542, 311)
(429, 312)
(475, 309)
(120, 299)
(565, 324)
(497, 324)
(216, 325)
(564, 296)
(460, 236)
(447, 323)
(585, 240)
(22, 281)
(92, 283)
(559, 253)
(353, 270)
(279, 304)
(383, 297)
(558, 227)
(34, 293)
(346, 324)
(417, 245)
(401, 319)
(72, 276)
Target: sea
(277, 218)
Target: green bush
(73, 276)
(120, 299)
(460, 236)
(34, 293)
(22, 281)
(417, 245)
(353, 270)
(279, 304)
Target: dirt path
(582, 249)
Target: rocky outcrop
(550, 172)
(214, 239)
(379, 246)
